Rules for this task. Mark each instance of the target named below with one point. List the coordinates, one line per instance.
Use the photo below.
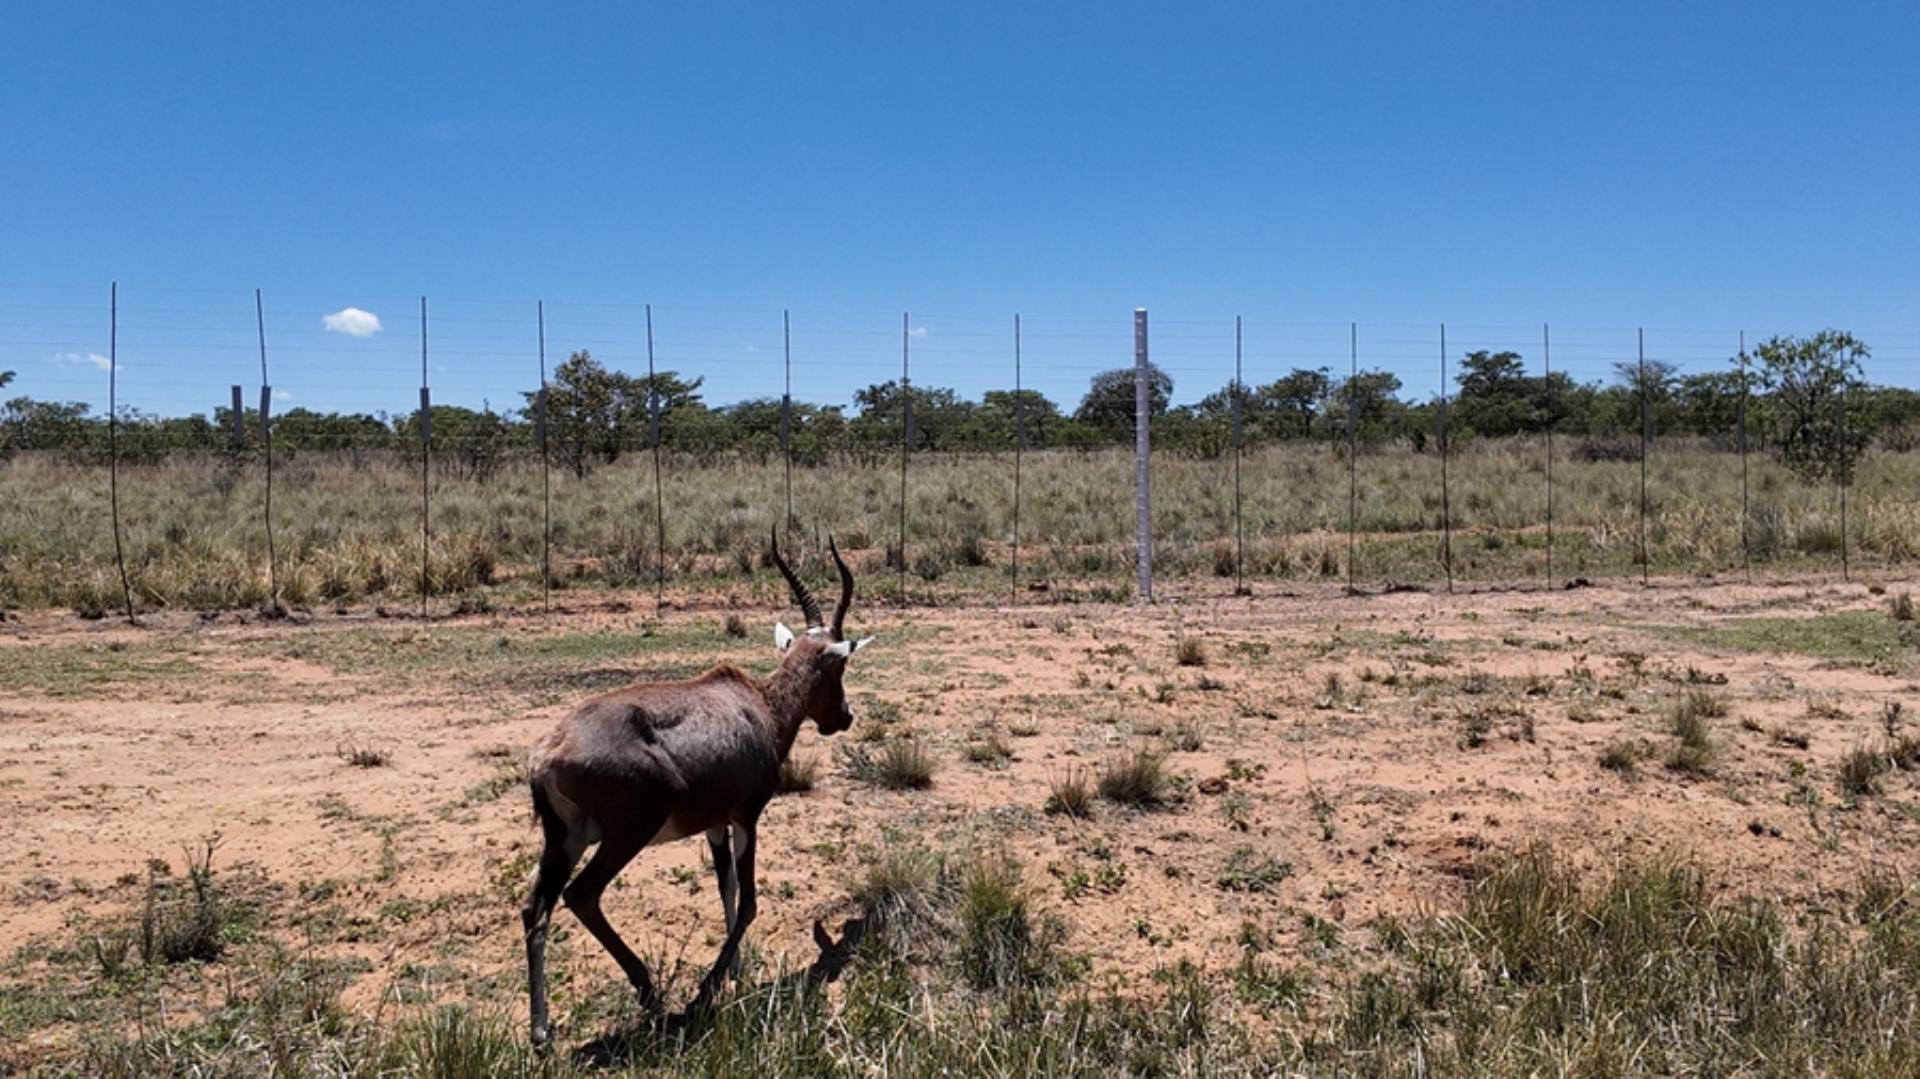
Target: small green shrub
(1249, 871)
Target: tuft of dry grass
(1190, 652)
(364, 756)
(1860, 771)
(1070, 794)
(900, 764)
(1138, 779)
(1621, 756)
(799, 773)
(990, 750)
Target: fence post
(1142, 451)
(1844, 475)
(1239, 529)
(1353, 454)
(1019, 449)
(1553, 415)
(113, 441)
(266, 442)
(659, 489)
(1746, 513)
(1446, 507)
(426, 466)
(1646, 424)
(906, 444)
(786, 411)
(546, 484)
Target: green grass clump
(1002, 941)
(1248, 870)
(1694, 748)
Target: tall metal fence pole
(546, 483)
(1239, 528)
(1844, 476)
(906, 443)
(1019, 451)
(1353, 455)
(426, 467)
(1746, 514)
(1553, 415)
(1446, 507)
(1142, 451)
(786, 410)
(113, 441)
(1646, 426)
(659, 487)
(266, 442)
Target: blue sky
(1694, 168)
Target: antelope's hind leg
(560, 851)
(583, 898)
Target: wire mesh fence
(469, 452)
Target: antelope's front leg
(729, 957)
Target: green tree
(466, 443)
(1378, 412)
(1291, 403)
(26, 424)
(1808, 381)
(1709, 403)
(1108, 406)
(938, 416)
(1496, 397)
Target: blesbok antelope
(652, 763)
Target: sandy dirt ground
(1366, 752)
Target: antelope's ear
(782, 636)
(862, 643)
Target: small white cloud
(753, 348)
(83, 359)
(353, 322)
(917, 331)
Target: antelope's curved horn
(846, 592)
(808, 605)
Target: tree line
(1805, 398)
